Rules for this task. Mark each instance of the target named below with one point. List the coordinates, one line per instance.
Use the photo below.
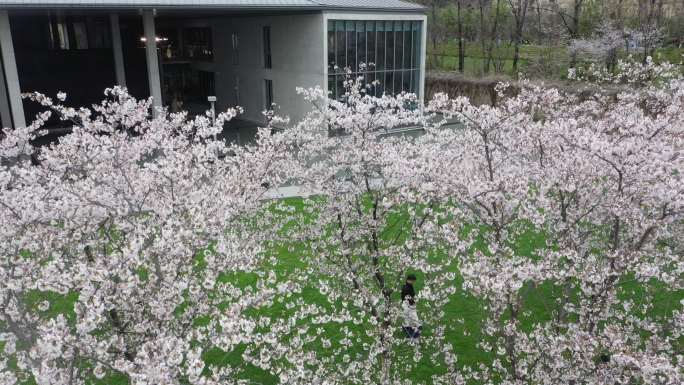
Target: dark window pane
(267, 47)
(340, 86)
(370, 46)
(398, 79)
(380, 84)
(389, 45)
(412, 45)
(370, 78)
(406, 81)
(236, 48)
(389, 83)
(340, 46)
(80, 35)
(63, 36)
(268, 94)
(415, 35)
(102, 35)
(331, 86)
(380, 43)
(361, 42)
(396, 62)
(409, 74)
(408, 47)
(331, 46)
(351, 45)
(197, 43)
(416, 81)
(417, 41)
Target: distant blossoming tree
(627, 72)
(132, 220)
(603, 47)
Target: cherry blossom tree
(603, 46)
(600, 182)
(132, 222)
(608, 40)
(365, 229)
(628, 73)
(601, 191)
(148, 228)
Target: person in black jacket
(411, 324)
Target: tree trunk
(434, 34)
(539, 24)
(516, 57)
(577, 12)
(483, 38)
(520, 14)
(618, 14)
(495, 30)
(649, 11)
(461, 48)
(573, 26)
(386, 365)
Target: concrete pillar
(152, 58)
(423, 54)
(9, 63)
(118, 51)
(5, 112)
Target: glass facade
(235, 52)
(384, 50)
(267, 47)
(65, 33)
(268, 94)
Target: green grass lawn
(551, 60)
(447, 57)
(539, 305)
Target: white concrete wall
(296, 52)
(299, 58)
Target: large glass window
(386, 51)
(267, 47)
(268, 94)
(197, 43)
(80, 33)
(235, 48)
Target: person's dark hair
(407, 292)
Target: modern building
(250, 53)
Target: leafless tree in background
(461, 43)
(519, 10)
(650, 17)
(488, 37)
